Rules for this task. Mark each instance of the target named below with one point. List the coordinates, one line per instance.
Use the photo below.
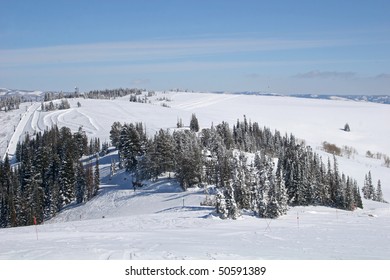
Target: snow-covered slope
(160, 221)
(11, 121)
(313, 120)
(152, 223)
(28, 94)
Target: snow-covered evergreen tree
(221, 205)
(164, 151)
(368, 188)
(67, 180)
(357, 196)
(379, 193)
(281, 191)
(130, 146)
(188, 158)
(194, 124)
(350, 203)
(80, 187)
(96, 179)
(115, 134)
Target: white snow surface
(160, 221)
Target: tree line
(9, 103)
(48, 176)
(94, 94)
(252, 168)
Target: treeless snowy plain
(160, 221)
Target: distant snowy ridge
(4, 92)
(382, 99)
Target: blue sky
(320, 47)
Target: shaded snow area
(161, 221)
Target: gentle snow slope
(160, 221)
(153, 224)
(313, 120)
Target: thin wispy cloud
(139, 82)
(383, 76)
(326, 75)
(150, 50)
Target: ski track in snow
(205, 101)
(152, 223)
(20, 129)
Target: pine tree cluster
(370, 192)
(50, 106)
(223, 157)
(49, 175)
(95, 94)
(112, 93)
(9, 103)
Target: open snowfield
(162, 222)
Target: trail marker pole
(36, 227)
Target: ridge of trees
(95, 94)
(251, 167)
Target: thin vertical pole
(36, 227)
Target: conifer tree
(281, 191)
(231, 204)
(67, 180)
(194, 124)
(379, 193)
(96, 180)
(365, 187)
(80, 183)
(164, 151)
(357, 196)
(368, 189)
(350, 203)
(188, 159)
(130, 146)
(221, 205)
(81, 143)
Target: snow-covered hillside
(160, 221)
(27, 94)
(312, 120)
